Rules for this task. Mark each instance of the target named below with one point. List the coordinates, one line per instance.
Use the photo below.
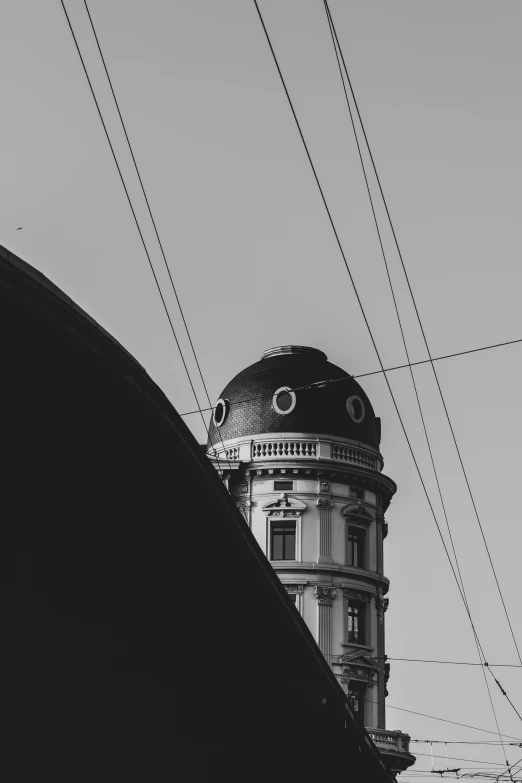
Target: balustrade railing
(284, 448)
(288, 448)
(355, 456)
(393, 741)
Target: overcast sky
(256, 264)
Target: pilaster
(324, 595)
(325, 530)
(382, 605)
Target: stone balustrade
(390, 740)
(284, 448)
(394, 747)
(258, 450)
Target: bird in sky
(19, 228)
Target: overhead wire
(156, 280)
(330, 382)
(459, 758)
(339, 244)
(153, 221)
(445, 720)
(425, 341)
(456, 663)
(482, 658)
(462, 742)
(131, 207)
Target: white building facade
(297, 441)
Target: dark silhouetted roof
(115, 531)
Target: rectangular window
(356, 691)
(357, 493)
(356, 617)
(283, 541)
(284, 486)
(355, 547)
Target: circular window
(355, 408)
(284, 400)
(220, 412)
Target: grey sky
(256, 264)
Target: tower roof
(251, 404)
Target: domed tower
(297, 441)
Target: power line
(367, 374)
(427, 346)
(456, 663)
(200, 410)
(332, 224)
(338, 53)
(463, 742)
(459, 758)
(152, 220)
(445, 720)
(131, 207)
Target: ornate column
(381, 604)
(324, 595)
(325, 532)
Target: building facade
(297, 442)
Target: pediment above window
(357, 512)
(284, 506)
(358, 658)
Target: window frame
(357, 493)
(362, 621)
(360, 688)
(283, 489)
(292, 395)
(281, 521)
(363, 535)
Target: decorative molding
(284, 506)
(294, 589)
(382, 605)
(324, 594)
(358, 595)
(324, 503)
(364, 658)
(356, 673)
(324, 486)
(358, 512)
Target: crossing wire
(132, 208)
(425, 339)
(153, 223)
(336, 46)
(200, 410)
(325, 203)
(330, 382)
(445, 720)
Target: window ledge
(276, 562)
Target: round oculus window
(284, 400)
(220, 412)
(355, 408)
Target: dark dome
(249, 408)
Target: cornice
(368, 479)
(356, 576)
